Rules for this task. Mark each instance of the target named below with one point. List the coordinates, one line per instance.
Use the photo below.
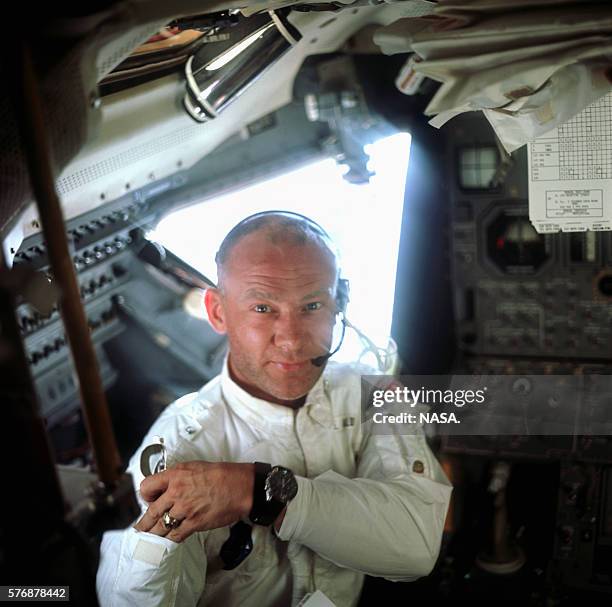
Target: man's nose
(289, 332)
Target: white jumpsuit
(362, 507)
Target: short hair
(281, 226)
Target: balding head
(277, 228)
(276, 302)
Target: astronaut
(274, 486)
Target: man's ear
(214, 309)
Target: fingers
(163, 526)
(189, 493)
(151, 519)
(167, 524)
(153, 486)
(154, 489)
(182, 532)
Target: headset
(342, 284)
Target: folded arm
(387, 521)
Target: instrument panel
(131, 305)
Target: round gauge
(514, 245)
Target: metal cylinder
(214, 83)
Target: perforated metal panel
(126, 157)
(68, 90)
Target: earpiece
(342, 294)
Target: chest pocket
(344, 457)
(264, 555)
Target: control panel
(517, 292)
(123, 293)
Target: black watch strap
(263, 511)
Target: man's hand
(202, 495)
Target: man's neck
(258, 393)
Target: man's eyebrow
(317, 293)
(259, 294)
(255, 293)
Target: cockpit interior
(459, 153)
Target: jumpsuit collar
(263, 413)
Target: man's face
(277, 307)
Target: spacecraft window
(477, 167)
(364, 221)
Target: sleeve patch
(148, 552)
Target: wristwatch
(273, 489)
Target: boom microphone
(319, 361)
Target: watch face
(281, 484)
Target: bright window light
(364, 221)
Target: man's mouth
(288, 367)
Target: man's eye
(314, 305)
(262, 308)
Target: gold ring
(170, 522)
